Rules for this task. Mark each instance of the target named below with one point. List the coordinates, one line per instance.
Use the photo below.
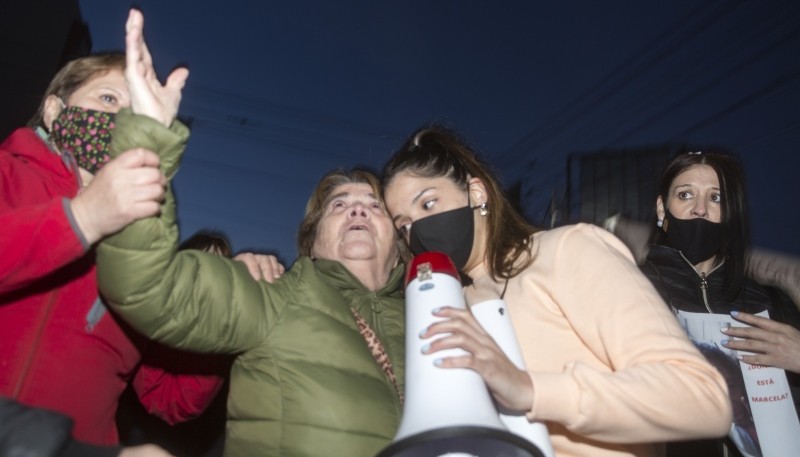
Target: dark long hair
(735, 219)
(208, 241)
(438, 151)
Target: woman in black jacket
(697, 263)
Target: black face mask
(450, 232)
(698, 239)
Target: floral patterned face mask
(86, 133)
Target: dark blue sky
(281, 92)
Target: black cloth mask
(450, 232)
(698, 239)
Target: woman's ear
(52, 108)
(660, 212)
(477, 191)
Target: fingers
(177, 79)
(464, 361)
(128, 188)
(509, 386)
(745, 332)
(148, 96)
(462, 355)
(454, 320)
(756, 321)
(760, 328)
(248, 260)
(146, 58)
(745, 345)
(753, 353)
(271, 268)
(136, 169)
(133, 38)
(138, 62)
(459, 330)
(750, 339)
(764, 342)
(138, 157)
(135, 20)
(136, 191)
(261, 267)
(757, 359)
(135, 47)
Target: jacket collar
(338, 276)
(665, 255)
(27, 145)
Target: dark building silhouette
(36, 38)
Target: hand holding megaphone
(448, 408)
(489, 324)
(510, 386)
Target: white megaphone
(493, 317)
(447, 412)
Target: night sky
(281, 92)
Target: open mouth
(358, 227)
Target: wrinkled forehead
(353, 191)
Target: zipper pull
(704, 289)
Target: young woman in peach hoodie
(609, 370)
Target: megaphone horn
(447, 412)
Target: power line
(688, 72)
(711, 83)
(616, 79)
(262, 104)
(774, 86)
(731, 46)
(774, 133)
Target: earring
(483, 210)
(660, 222)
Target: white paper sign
(764, 419)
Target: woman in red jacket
(60, 347)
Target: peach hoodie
(612, 370)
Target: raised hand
(261, 266)
(127, 188)
(148, 96)
(774, 344)
(510, 386)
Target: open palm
(148, 96)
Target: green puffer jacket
(304, 382)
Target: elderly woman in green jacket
(319, 363)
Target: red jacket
(60, 348)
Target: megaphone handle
(494, 318)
